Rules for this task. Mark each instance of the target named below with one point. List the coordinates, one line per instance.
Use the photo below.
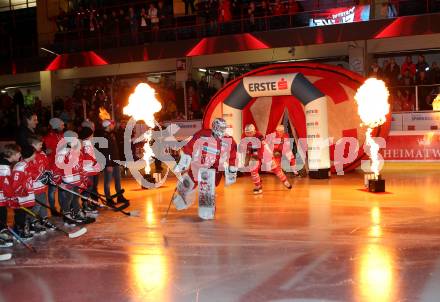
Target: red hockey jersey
(51, 142)
(40, 164)
(22, 184)
(69, 165)
(90, 165)
(252, 149)
(6, 192)
(208, 151)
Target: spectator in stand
(278, 10)
(375, 70)
(144, 20)
(217, 81)
(392, 72)
(407, 79)
(384, 77)
(193, 103)
(434, 73)
(293, 9)
(93, 23)
(225, 16)
(61, 20)
(162, 14)
(410, 66)
(236, 9)
(421, 65)
(408, 91)
(189, 4)
(263, 12)
(423, 91)
(154, 21)
(251, 11)
(203, 91)
(213, 16)
(134, 24)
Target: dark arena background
(109, 108)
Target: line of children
(23, 184)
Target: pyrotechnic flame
(373, 107)
(436, 103)
(142, 105)
(103, 114)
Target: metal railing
(413, 98)
(17, 4)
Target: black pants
(19, 218)
(3, 217)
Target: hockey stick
(97, 194)
(131, 213)
(100, 197)
(76, 234)
(163, 220)
(15, 235)
(5, 257)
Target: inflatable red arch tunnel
(318, 100)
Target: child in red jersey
(22, 188)
(68, 170)
(40, 165)
(9, 156)
(91, 167)
(51, 141)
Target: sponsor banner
(260, 86)
(341, 15)
(317, 134)
(412, 146)
(416, 121)
(187, 128)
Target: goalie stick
(72, 235)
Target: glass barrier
(413, 98)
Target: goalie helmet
(249, 129)
(219, 127)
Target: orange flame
(373, 107)
(142, 105)
(103, 114)
(436, 103)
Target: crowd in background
(404, 79)
(91, 94)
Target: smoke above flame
(142, 105)
(373, 107)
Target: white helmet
(249, 128)
(218, 127)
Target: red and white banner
(340, 15)
(412, 146)
(186, 128)
(416, 121)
